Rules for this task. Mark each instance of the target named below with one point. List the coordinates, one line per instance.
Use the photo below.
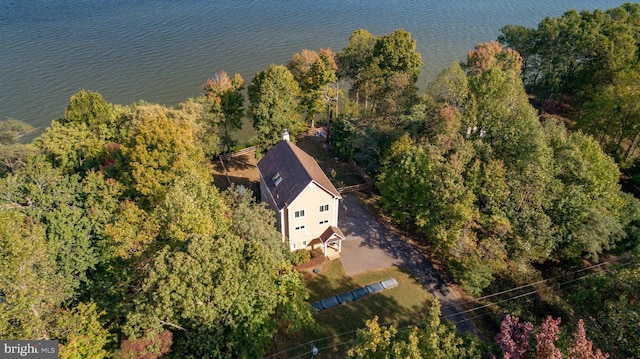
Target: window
(298, 228)
(324, 208)
(324, 221)
(304, 243)
(298, 214)
(293, 246)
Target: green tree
(356, 63)
(432, 339)
(225, 102)
(343, 136)
(159, 149)
(72, 146)
(613, 115)
(398, 64)
(191, 206)
(48, 196)
(90, 109)
(273, 104)
(80, 333)
(29, 289)
(12, 130)
(219, 296)
(610, 307)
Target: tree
(191, 206)
(587, 210)
(343, 137)
(609, 304)
(219, 296)
(513, 337)
(30, 287)
(80, 333)
(314, 71)
(225, 101)
(131, 232)
(273, 104)
(399, 66)
(159, 149)
(153, 347)
(72, 146)
(54, 199)
(396, 53)
(90, 109)
(613, 115)
(13, 157)
(374, 341)
(581, 348)
(12, 130)
(489, 55)
(545, 347)
(451, 86)
(432, 339)
(356, 62)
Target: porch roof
(332, 235)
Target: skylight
(276, 178)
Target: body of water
(162, 51)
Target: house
(304, 199)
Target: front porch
(330, 242)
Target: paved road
(369, 245)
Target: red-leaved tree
(153, 347)
(513, 337)
(581, 348)
(545, 339)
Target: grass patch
(403, 305)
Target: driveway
(369, 245)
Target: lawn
(401, 306)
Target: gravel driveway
(369, 245)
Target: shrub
(299, 257)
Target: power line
(531, 284)
(465, 310)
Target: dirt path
(370, 245)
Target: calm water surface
(162, 51)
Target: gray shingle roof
(295, 168)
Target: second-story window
(298, 214)
(324, 208)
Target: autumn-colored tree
(314, 72)
(546, 338)
(153, 347)
(489, 55)
(581, 347)
(514, 337)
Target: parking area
(369, 245)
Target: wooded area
(114, 240)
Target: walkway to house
(369, 245)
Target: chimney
(285, 135)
